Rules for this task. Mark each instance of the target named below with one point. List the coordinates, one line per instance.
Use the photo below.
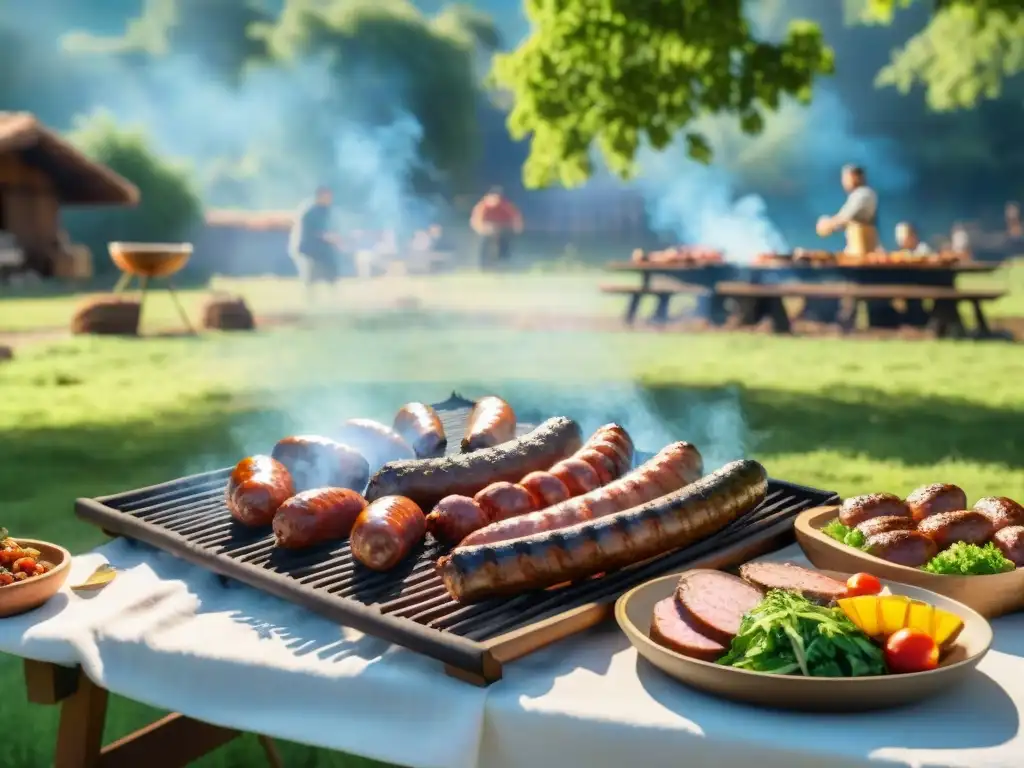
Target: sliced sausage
(386, 531)
(717, 602)
(671, 628)
(420, 426)
(947, 528)
(491, 422)
(578, 476)
(910, 548)
(856, 510)
(545, 489)
(318, 516)
(813, 585)
(319, 462)
(888, 523)
(1010, 541)
(933, 499)
(378, 442)
(257, 487)
(1000, 511)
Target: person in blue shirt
(312, 245)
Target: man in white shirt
(859, 215)
(907, 239)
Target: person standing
(495, 219)
(908, 240)
(312, 245)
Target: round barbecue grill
(146, 261)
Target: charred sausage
(502, 500)
(947, 528)
(1010, 541)
(596, 546)
(491, 422)
(386, 531)
(454, 517)
(314, 517)
(420, 426)
(257, 487)
(427, 481)
(1000, 511)
(579, 477)
(932, 499)
(856, 510)
(545, 490)
(910, 548)
(674, 467)
(378, 442)
(884, 524)
(319, 462)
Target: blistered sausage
(947, 528)
(1000, 511)
(319, 462)
(933, 499)
(856, 510)
(503, 500)
(316, 517)
(257, 487)
(386, 531)
(491, 422)
(909, 548)
(455, 517)
(420, 426)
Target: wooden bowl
(990, 596)
(634, 609)
(31, 593)
(150, 259)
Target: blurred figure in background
(858, 217)
(959, 239)
(312, 246)
(495, 219)
(1014, 227)
(907, 239)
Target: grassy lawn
(91, 416)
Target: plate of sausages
(932, 538)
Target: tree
(170, 208)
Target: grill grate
(409, 605)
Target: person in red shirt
(496, 220)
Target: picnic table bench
(662, 292)
(758, 301)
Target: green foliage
(169, 209)
(613, 73)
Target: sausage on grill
(502, 500)
(319, 462)
(932, 499)
(378, 442)
(427, 481)
(857, 509)
(607, 469)
(579, 477)
(675, 520)
(386, 531)
(545, 490)
(257, 487)
(675, 466)
(491, 422)
(317, 516)
(420, 426)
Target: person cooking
(495, 219)
(858, 217)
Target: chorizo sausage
(675, 466)
(857, 509)
(420, 426)
(578, 476)
(455, 517)
(545, 489)
(257, 487)
(503, 500)
(1000, 511)
(317, 516)
(932, 499)
(427, 481)
(319, 462)
(909, 548)
(491, 422)
(614, 541)
(1010, 541)
(947, 528)
(378, 442)
(386, 531)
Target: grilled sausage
(596, 546)
(420, 426)
(386, 531)
(545, 490)
(378, 442)
(910, 548)
(257, 487)
(674, 467)
(491, 422)
(932, 499)
(856, 510)
(314, 517)
(1010, 541)
(884, 524)
(578, 476)
(455, 517)
(606, 469)
(947, 528)
(500, 501)
(615, 443)
(319, 462)
(427, 481)
(1000, 511)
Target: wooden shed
(40, 172)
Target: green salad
(787, 634)
(844, 534)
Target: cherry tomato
(862, 584)
(911, 650)
(24, 565)
(6, 577)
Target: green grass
(92, 416)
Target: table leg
(80, 733)
(916, 316)
(777, 312)
(946, 320)
(143, 287)
(181, 309)
(820, 310)
(848, 316)
(750, 310)
(714, 309)
(882, 314)
(632, 307)
(984, 331)
(660, 316)
(123, 282)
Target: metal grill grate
(409, 605)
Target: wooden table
(174, 741)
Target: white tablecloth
(170, 635)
